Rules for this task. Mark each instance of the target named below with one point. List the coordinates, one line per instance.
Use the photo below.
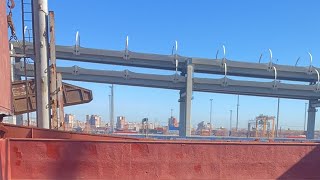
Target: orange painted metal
(144, 159)
(5, 69)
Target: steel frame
(167, 62)
(185, 82)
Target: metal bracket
(77, 44)
(75, 70)
(175, 78)
(126, 50)
(126, 74)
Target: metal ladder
(26, 7)
(27, 36)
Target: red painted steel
(14, 131)
(5, 69)
(3, 159)
(69, 159)
(73, 95)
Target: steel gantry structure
(184, 80)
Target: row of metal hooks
(175, 55)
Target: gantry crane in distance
(262, 126)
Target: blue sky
(247, 29)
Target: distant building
(79, 124)
(93, 120)
(203, 126)
(69, 119)
(134, 126)
(88, 119)
(121, 122)
(173, 123)
(151, 126)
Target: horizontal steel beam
(167, 62)
(177, 82)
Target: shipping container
(5, 69)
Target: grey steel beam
(253, 88)
(167, 62)
(182, 113)
(311, 120)
(185, 104)
(189, 89)
(224, 85)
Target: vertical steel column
(230, 128)
(311, 120)
(278, 112)
(112, 110)
(305, 116)
(185, 103)
(40, 9)
(182, 117)
(210, 117)
(53, 75)
(237, 123)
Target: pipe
(40, 9)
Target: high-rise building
(121, 122)
(88, 119)
(94, 120)
(69, 119)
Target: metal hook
(310, 67)
(25, 29)
(77, 44)
(225, 74)
(270, 62)
(270, 55)
(318, 82)
(126, 51)
(225, 70)
(224, 52)
(176, 46)
(127, 42)
(275, 76)
(177, 63)
(297, 61)
(224, 56)
(310, 58)
(175, 54)
(217, 54)
(260, 57)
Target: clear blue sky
(247, 28)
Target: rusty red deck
(75, 156)
(5, 68)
